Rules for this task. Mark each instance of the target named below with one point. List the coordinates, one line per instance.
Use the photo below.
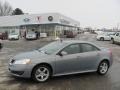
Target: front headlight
(23, 61)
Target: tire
(102, 39)
(1, 46)
(41, 73)
(112, 41)
(103, 68)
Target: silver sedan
(61, 58)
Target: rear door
(88, 58)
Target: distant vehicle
(13, 36)
(1, 44)
(86, 33)
(70, 34)
(3, 36)
(61, 58)
(31, 36)
(115, 38)
(103, 37)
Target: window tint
(72, 49)
(88, 48)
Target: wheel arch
(107, 60)
(102, 38)
(46, 64)
(112, 38)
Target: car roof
(74, 41)
(68, 42)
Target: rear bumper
(32, 38)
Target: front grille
(17, 72)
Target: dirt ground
(87, 81)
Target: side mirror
(63, 53)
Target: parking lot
(87, 81)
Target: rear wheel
(41, 73)
(103, 68)
(101, 39)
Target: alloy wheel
(103, 68)
(42, 74)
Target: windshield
(112, 33)
(30, 33)
(52, 47)
(13, 34)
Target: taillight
(110, 51)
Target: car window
(108, 35)
(72, 49)
(88, 48)
(31, 32)
(13, 34)
(117, 34)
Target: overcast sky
(95, 13)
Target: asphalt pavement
(86, 81)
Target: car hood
(100, 35)
(13, 35)
(30, 55)
(30, 35)
(112, 35)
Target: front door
(68, 63)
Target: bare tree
(5, 9)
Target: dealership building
(50, 23)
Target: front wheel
(102, 39)
(103, 68)
(41, 73)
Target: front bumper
(21, 70)
(30, 37)
(13, 38)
